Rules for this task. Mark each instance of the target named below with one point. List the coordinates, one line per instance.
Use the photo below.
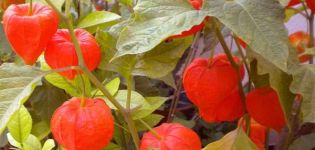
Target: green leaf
(157, 63)
(49, 144)
(41, 129)
(152, 120)
(13, 142)
(304, 84)
(13, 94)
(169, 80)
(146, 86)
(45, 99)
(259, 23)
(304, 142)
(112, 87)
(154, 22)
(20, 124)
(72, 87)
(141, 106)
(235, 140)
(32, 143)
(149, 106)
(137, 100)
(101, 19)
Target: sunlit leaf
(20, 125)
(154, 22)
(235, 140)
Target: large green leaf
(17, 84)
(20, 124)
(99, 19)
(235, 140)
(142, 106)
(258, 22)
(154, 22)
(157, 63)
(304, 84)
(45, 99)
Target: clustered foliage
(148, 74)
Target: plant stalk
(189, 58)
(237, 69)
(30, 10)
(151, 130)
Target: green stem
(189, 58)
(30, 10)
(67, 7)
(151, 130)
(83, 99)
(244, 60)
(233, 63)
(305, 10)
(247, 124)
(237, 69)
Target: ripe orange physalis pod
(299, 40)
(212, 85)
(27, 33)
(293, 3)
(77, 127)
(173, 136)
(311, 5)
(264, 107)
(257, 133)
(60, 52)
(197, 4)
